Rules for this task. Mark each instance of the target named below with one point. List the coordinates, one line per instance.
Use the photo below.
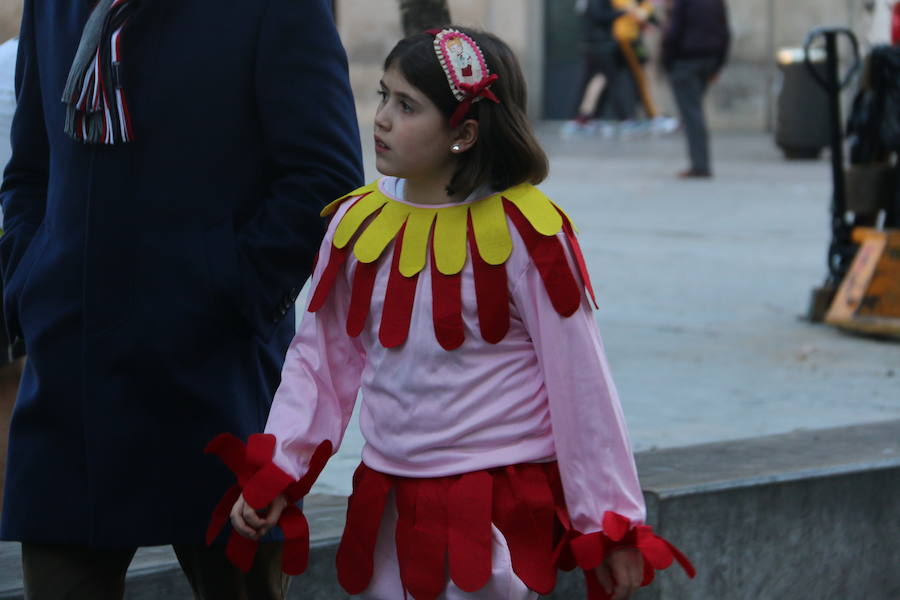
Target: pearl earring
(456, 147)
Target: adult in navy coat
(153, 278)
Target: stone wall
(743, 99)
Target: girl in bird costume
(453, 292)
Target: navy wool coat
(153, 282)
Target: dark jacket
(597, 23)
(696, 29)
(153, 282)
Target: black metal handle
(835, 31)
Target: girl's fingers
(627, 569)
(605, 578)
(273, 515)
(252, 518)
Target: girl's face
(412, 137)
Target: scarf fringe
(96, 108)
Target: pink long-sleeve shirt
(543, 393)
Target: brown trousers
(65, 572)
(10, 374)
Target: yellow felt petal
(450, 239)
(536, 207)
(415, 240)
(355, 217)
(357, 192)
(380, 231)
(491, 230)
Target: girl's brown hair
(507, 152)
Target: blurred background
(546, 34)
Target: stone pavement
(702, 286)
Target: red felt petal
(595, 590)
(398, 301)
(469, 530)
(364, 513)
(260, 449)
(579, 257)
(589, 550)
(336, 259)
(446, 307)
(656, 552)
(550, 259)
(265, 485)
(422, 539)
(240, 551)
(491, 294)
(295, 553)
(649, 574)
(615, 526)
(361, 297)
(231, 451)
(682, 559)
(221, 513)
(316, 463)
(524, 511)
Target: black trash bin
(801, 125)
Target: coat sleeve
(726, 38)
(24, 189)
(311, 135)
(673, 32)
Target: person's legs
(688, 87)
(595, 80)
(213, 577)
(591, 97)
(71, 572)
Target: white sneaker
(664, 125)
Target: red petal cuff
(590, 550)
(260, 481)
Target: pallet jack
(862, 290)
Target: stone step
(809, 515)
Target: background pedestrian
(695, 47)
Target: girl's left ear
(465, 136)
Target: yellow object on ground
(868, 299)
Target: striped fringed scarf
(96, 110)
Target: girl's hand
(621, 573)
(252, 523)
